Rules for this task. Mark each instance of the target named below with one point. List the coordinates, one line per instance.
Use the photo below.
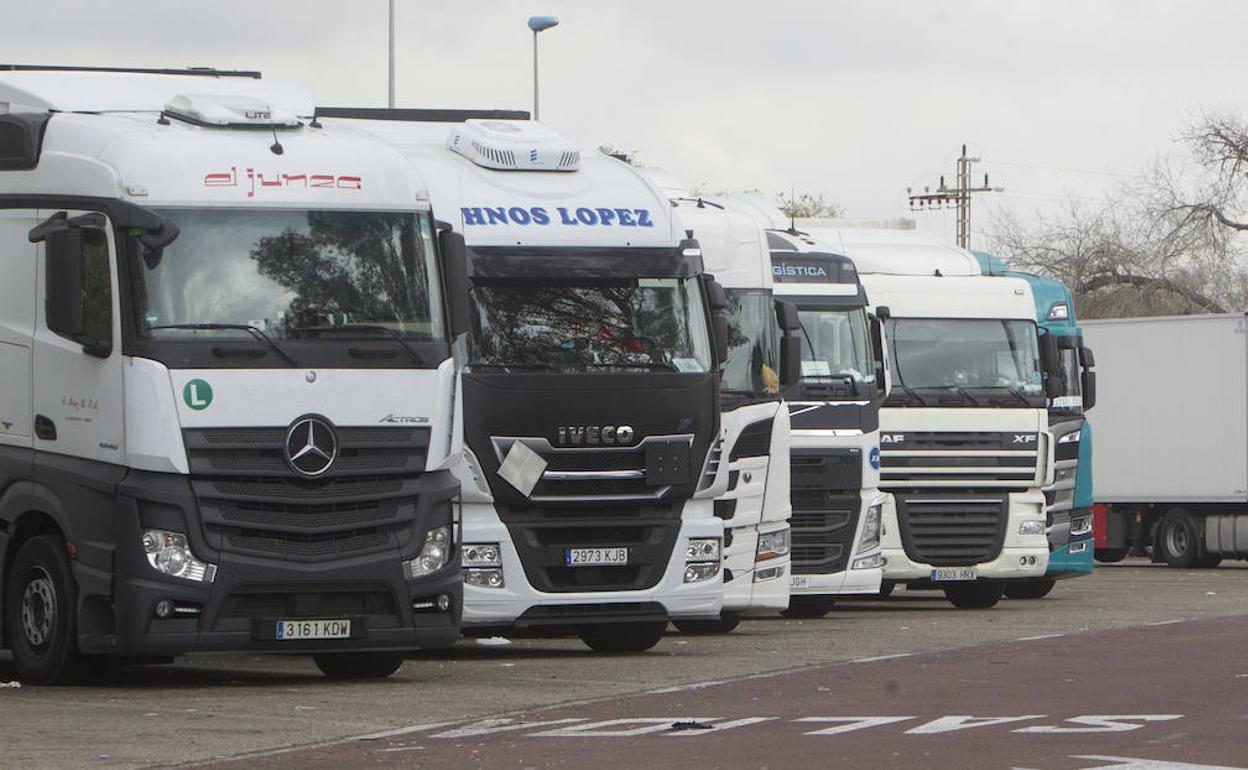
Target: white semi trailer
(226, 385)
(1172, 473)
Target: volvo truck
(965, 444)
(227, 390)
(762, 357)
(1069, 498)
(1172, 473)
(834, 407)
(591, 385)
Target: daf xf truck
(226, 381)
(964, 439)
(1172, 473)
(1069, 498)
(591, 385)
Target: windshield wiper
(252, 330)
(961, 391)
(386, 330)
(654, 366)
(518, 366)
(912, 393)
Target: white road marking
(402, 731)
(616, 728)
(491, 726)
(719, 727)
(1165, 622)
(1100, 723)
(1039, 637)
(965, 722)
(684, 688)
(882, 657)
(851, 723)
(1133, 763)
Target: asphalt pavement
(913, 656)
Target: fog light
(444, 602)
(1079, 547)
(484, 578)
(1031, 527)
(170, 554)
(1022, 561)
(433, 556)
(1081, 526)
(770, 573)
(697, 573)
(164, 609)
(868, 562)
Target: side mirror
(1089, 389)
(883, 313)
(790, 360)
(877, 346)
(787, 317)
(1053, 385)
(1067, 342)
(716, 297)
(64, 307)
(1086, 358)
(1050, 359)
(455, 273)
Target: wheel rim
(1176, 539)
(39, 608)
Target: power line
(959, 197)
(1067, 170)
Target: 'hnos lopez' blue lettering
(525, 216)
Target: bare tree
(807, 205)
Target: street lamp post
(392, 54)
(538, 24)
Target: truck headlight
(868, 562)
(1080, 525)
(696, 573)
(702, 549)
(481, 555)
(433, 556)
(169, 554)
(871, 528)
(491, 577)
(772, 545)
(1031, 527)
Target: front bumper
(518, 602)
(746, 592)
(1071, 560)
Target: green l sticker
(197, 394)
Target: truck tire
(358, 665)
(886, 589)
(1109, 555)
(1178, 539)
(1031, 589)
(726, 623)
(41, 616)
(622, 637)
(1208, 561)
(975, 596)
(809, 607)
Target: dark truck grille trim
(953, 459)
(754, 440)
(587, 474)
(952, 529)
(825, 497)
(251, 502)
(543, 535)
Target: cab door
(78, 397)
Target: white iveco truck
(226, 381)
(964, 439)
(756, 506)
(591, 386)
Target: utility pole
(960, 196)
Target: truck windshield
(979, 361)
(753, 363)
(291, 274)
(835, 345)
(603, 327)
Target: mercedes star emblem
(311, 446)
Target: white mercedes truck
(591, 385)
(964, 439)
(756, 506)
(227, 391)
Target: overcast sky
(854, 100)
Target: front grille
(582, 474)
(824, 520)
(959, 459)
(543, 535)
(252, 502)
(296, 603)
(556, 614)
(950, 530)
(754, 440)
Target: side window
(97, 292)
